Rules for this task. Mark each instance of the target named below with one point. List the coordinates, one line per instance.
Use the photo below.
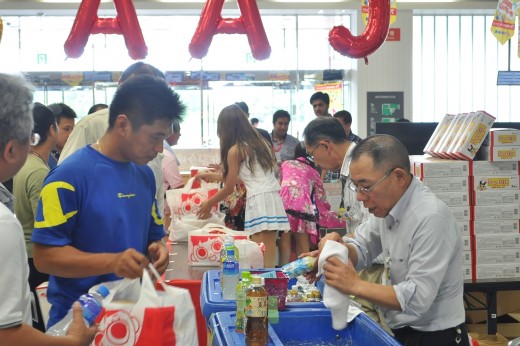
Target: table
(178, 268)
(490, 287)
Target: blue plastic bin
(211, 300)
(304, 326)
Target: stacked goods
(502, 145)
(484, 196)
(450, 181)
(459, 137)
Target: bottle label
(256, 306)
(230, 268)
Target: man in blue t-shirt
(97, 218)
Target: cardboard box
(461, 213)
(494, 168)
(483, 227)
(467, 272)
(495, 212)
(438, 133)
(466, 243)
(507, 302)
(496, 197)
(459, 136)
(502, 137)
(448, 136)
(485, 183)
(496, 256)
(465, 227)
(467, 258)
(492, 153)
(474, 136)
(495, 241)
(454, 198)
(436, 167)
(497, 271)
(447, 184)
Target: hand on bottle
(330, 236)
(159, 256)
(311, 276)
(130, 263)
(204, 211)
(78, 331)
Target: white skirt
(265, 212)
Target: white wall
(389, 69)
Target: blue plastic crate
(211, 300)
(304, 327)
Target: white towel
(337, 302)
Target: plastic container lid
(256, 280)
(246, 275)
(103, 291)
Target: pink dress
(301, 184)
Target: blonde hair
(233, 128)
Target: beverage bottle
(230, 273)
(223, 254)
(256, 313)
(241, 301)
(91, 303)
(300, 266)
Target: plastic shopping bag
(187, 200)
(181, 227)
(136, 313)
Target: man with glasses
(422, 291)
(327, 142)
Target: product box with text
(496, 197)
(485, 168)
(483, 227)
(496, 271)
(496, 256)
(465, 227)
(502, 137)
(460, 198)
(438, 133)
(448, 136)
(495, 241)
(495, 212)
(447, 184)
(487, 183)
(475, 136)
(435, 167)
(497, 154)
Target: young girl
(302, 191)
(245, 155)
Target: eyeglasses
(367, 190)
(311, 154)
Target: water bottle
(241, 301)
(256, 313)
(91, 303)
(229, 243)
(230, 275)
(300, 266)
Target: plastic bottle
(229, 243)
(241, 301)
(92, 304)
(230, 275)
(299, 267)
(256, 313)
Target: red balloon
(249, 23)
(87, 23)
(370, 40)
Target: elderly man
(421, 293)
(15, 306)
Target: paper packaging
(495, 212)
(502, 137)
(438, 133)
(495, 168)
(497, 256)
(447, 184)
(467, 272)
(455, 199)
(457, 128)
(436, 167)
(482, 227)
(448, 136)
(469, 120)
(465, 227)
(461, 213)
(466, 258)
(466, 243)
(475, 137)
(495, 241)
(496, 197)
(497, 271)
(493, 183)
(492, 153)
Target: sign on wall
(383, 107)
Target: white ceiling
(169, 7)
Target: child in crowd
(246, 156)
(304, 200)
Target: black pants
(35, 279)
(456, 336)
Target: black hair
(345, 116)
(243, 106)
(324, 128)
(320, 96)
(254, 121)
(97, 107)
(144, 99)
(281, 114)
(61, 110)
(43, 119)
(301, 152)
(140, 68)
(386, 151)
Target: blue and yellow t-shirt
(96, 205)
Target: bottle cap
(103, 291)
(246, 275)
(256, 280)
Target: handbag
(136, 313)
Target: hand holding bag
(187, 200)
(158, 317)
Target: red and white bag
(204, 245)
(187, 200)
(136, 313)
